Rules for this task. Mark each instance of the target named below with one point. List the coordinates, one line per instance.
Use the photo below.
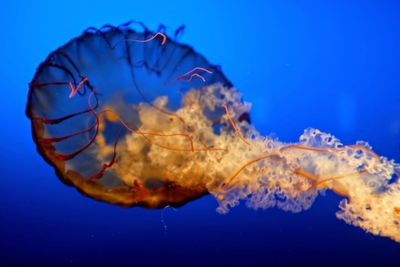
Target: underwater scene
(209, 133)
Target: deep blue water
(332, 65)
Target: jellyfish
(132, 117)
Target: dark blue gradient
(332, 65)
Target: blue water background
(333, 65)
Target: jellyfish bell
(134, 118)
(85, 90)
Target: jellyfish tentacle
(317, 180)
(193, 74)
(142, 95)
(244, 166)
(237, 130)
(193, 70)
(73, 154)
(46, 64)
(145, 133)
(306, 174)
(183, 77)
(329, 150)
(48, 140)
(77, 88)
(333, 178)
(298, 171)
(61, 119)
(163, 36)
(36, 84)
(105, 166)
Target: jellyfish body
(134, 118)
